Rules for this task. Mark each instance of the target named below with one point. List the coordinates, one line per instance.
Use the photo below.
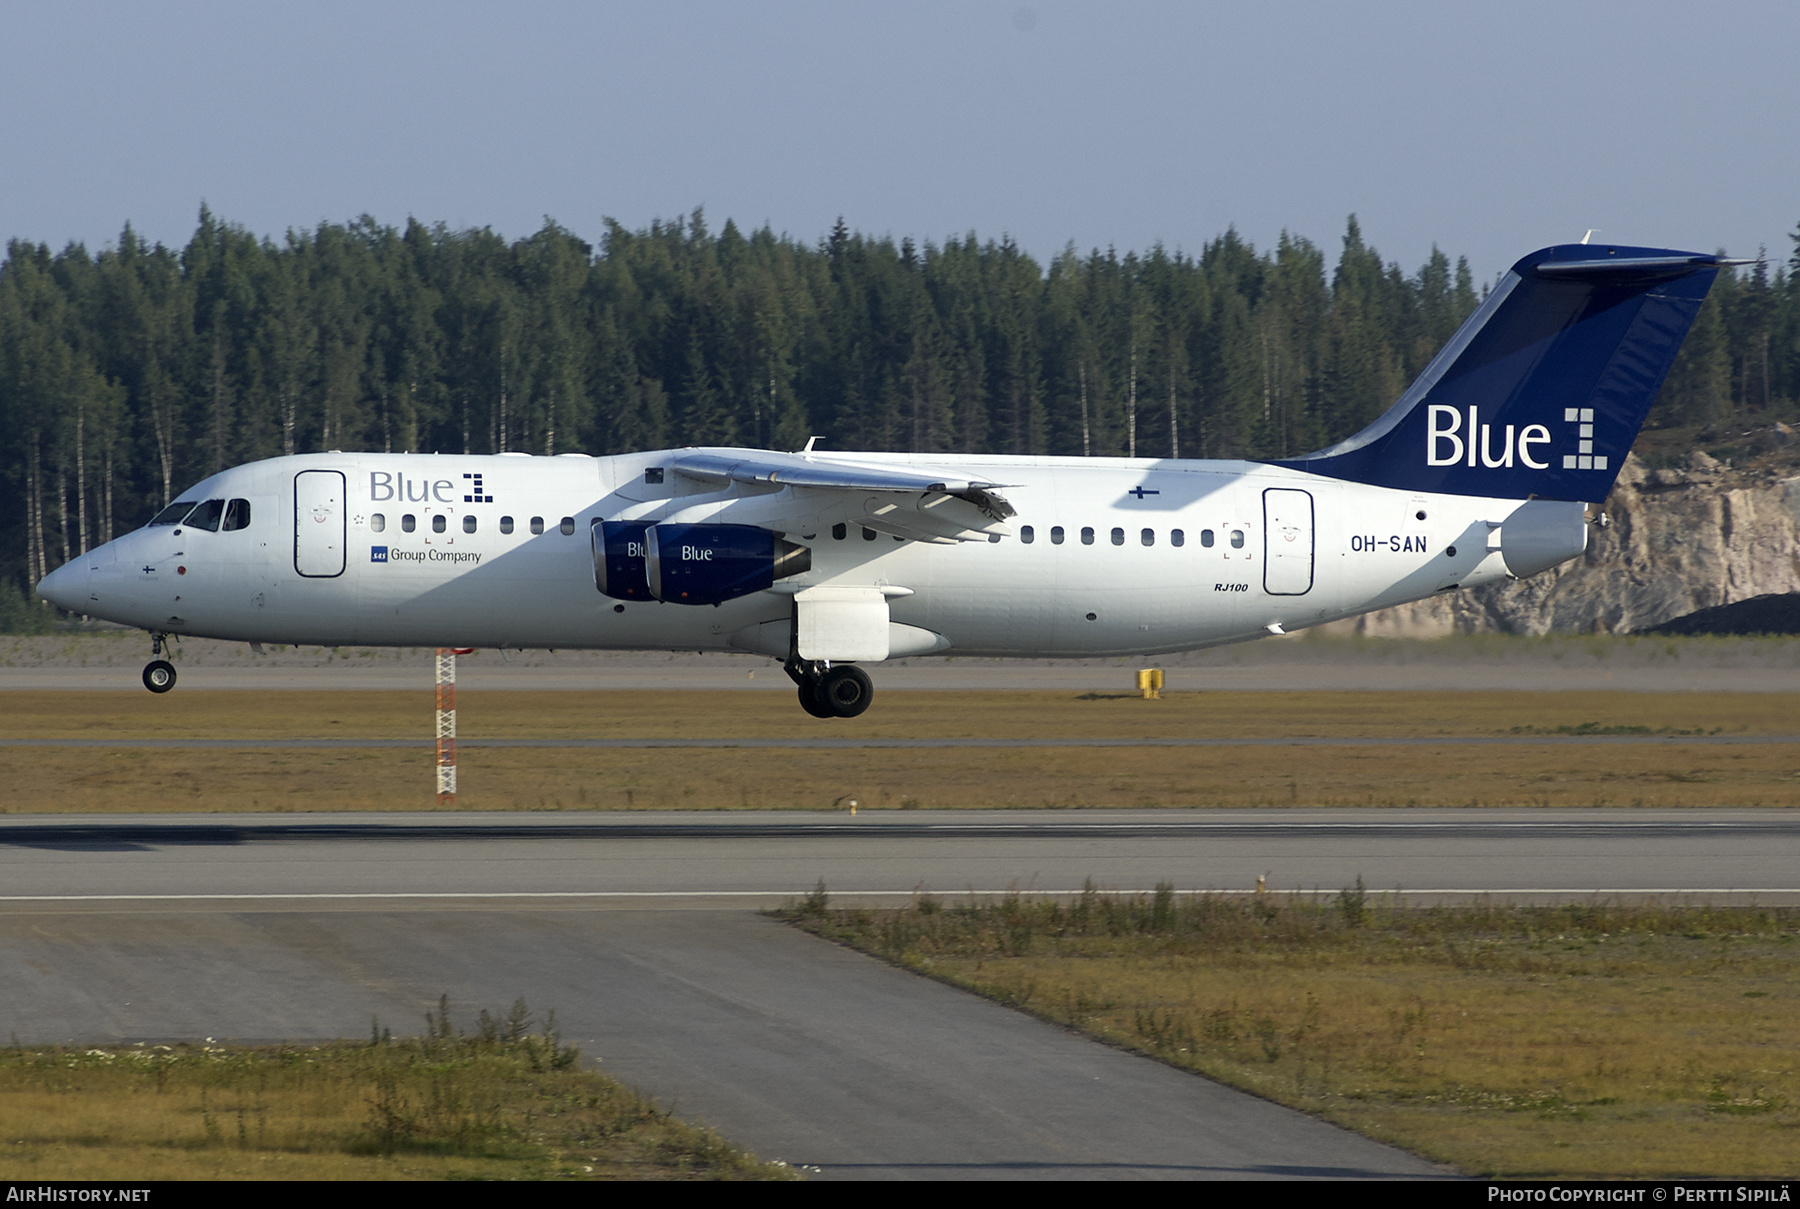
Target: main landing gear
(159, 673)
(843, 691)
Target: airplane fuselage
(1105, 556)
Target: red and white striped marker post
(446, 726)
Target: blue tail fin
(1543, 390)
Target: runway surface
(636, 929)
(765, 858)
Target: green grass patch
(505, 1103)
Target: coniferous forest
(127, 374)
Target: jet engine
(691, 564)
(619, 560)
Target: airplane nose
(67, 586)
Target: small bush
(22, 613)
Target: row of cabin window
(210, 515)
(1177, 537)
(1028, 535)
(439, 523)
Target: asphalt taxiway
(638, 930)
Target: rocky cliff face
(1680, 540)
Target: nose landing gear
(159, 674)
(843, 691)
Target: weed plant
(507, 1103)
(1584, 1039)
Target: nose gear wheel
(159, 673)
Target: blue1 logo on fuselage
(384, 486)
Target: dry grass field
(1665, 774)
(996, 715)
(435, 1108)
(1574, 1041)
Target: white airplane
(1482, 471)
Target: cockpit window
(237, 516)
(206, 516)
(173, 513)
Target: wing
(921, 503)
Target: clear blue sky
(1486, 129)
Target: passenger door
(1288, 542)
(319, 523)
